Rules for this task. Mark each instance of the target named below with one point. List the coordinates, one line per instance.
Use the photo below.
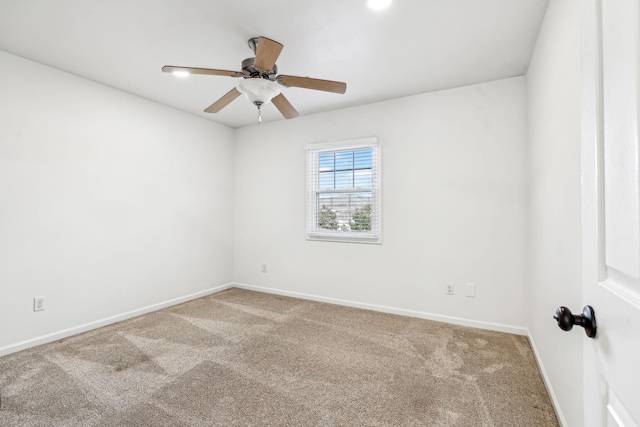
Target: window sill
(340, 238)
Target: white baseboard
(547, 382)
(12, 348)
(44, 339)
(392, 310)
(403, 312)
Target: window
(343, 191)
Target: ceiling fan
(260, 82)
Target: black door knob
(587, 320)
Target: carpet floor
(243, 358)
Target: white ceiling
(415, 46)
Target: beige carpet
(241, 358)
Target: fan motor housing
(250, 71)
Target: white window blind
(343, 191)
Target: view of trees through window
(344, 190)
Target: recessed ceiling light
(378, 4)
(180, 73)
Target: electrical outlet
(449, 289)
(38, 304)
(264, 267)
(471, 290)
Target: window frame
(312, 152)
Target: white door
(611, 209)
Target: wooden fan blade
(283, 105)
(223, 102)
(209, 71)
(316, 84)
(267, 53)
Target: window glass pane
(344, 211)
(362, 178)
(325, 161)
(345, 169)
(326, 180)
(344, 179)
(344, 160)
(363, 158)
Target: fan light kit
(261, 83)
(259, 92)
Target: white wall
(553, 88)
(108, 203)
(453, 172)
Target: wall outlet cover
(471, 290)
(38, 304)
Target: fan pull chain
(259, 104)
